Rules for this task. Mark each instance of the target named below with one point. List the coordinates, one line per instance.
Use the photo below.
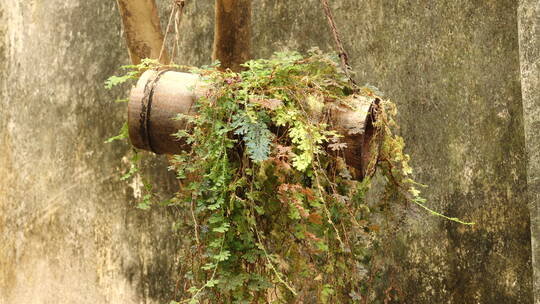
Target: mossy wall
(69, 232)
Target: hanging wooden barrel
(154, 103)
(159, 96)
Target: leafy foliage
(255, 134)
(275, 217)
(133, 72)
(123, 134)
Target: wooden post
(143, 31)
(232, 33)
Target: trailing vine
(272, 210)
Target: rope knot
(180, 3)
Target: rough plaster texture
(529, 43)
(69, 232)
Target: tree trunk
(143, 31)
(232, 33)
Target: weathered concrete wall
(69, 232)
(453, 69)
(529, 43)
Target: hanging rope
(177, 19)
(177, 12)
(343, 56)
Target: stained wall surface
(68, 229)
(529, 44)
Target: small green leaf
(117, 80)
(223, 228)
(209, 266)
(212, 283)
(124, 133)
(222, 256)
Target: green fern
(257, 137)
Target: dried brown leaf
(271, 104)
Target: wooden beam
(143, 31)
(232, 33)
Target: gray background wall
(69, 232)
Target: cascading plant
(274, 214)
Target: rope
(177, 11)
(343, 56)
(177, 19)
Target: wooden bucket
(159, 96)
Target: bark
(232, 33)
(142, 29)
